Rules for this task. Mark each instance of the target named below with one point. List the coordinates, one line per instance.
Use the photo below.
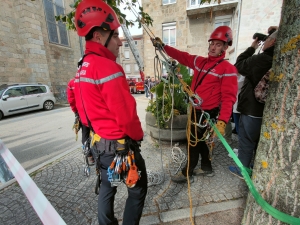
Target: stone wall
(26, 55)
(257, 17)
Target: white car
(19, 98)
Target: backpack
(261, 89)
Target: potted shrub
(159, 111)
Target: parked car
(19, 98)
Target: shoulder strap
(199, 83)
(80, 65)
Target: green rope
(245, 172)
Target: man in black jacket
(253, 67)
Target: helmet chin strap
(108, 39)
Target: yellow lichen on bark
(264, 164)
(276, 78)
(291, 45)
(278, 128)
(267, 135)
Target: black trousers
(136, 195)
(201, 147)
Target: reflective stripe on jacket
(105, 95)
(218, 88)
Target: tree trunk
(277, 163)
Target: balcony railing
(196, 4)
(194, 7)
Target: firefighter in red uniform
(84, 127)
(107, 106)
(215, 81)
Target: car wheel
(1, 115)
(48, 105)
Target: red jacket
(105, 95)
(71, 95)
(218, 88)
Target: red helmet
(222, 33)
(94, 13)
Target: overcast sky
(129, 15)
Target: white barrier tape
(37, 199)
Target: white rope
(178, 157)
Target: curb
(142, 98)
(32, 170)
(180, 214)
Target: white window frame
(169, 26)
(223, 19)
(126, 53)
(127, 68)
(126, 43)
(169, 2)
(58, 25)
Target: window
(165, 2)
(222, 21)
(169, 38)
(169, 34)
(30, 90)
(57, 31)
(135, 42)
(14, 92)
(126, 45)
(126, 54)
(136, 67)
(127, 68)
(194, 2)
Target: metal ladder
(133, 48)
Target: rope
(245, 171)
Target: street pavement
(215, 200)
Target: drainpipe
(237, 31)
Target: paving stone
(72, 194)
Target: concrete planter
(178, 129)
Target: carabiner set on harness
(123, 169)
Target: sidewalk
(219, 198)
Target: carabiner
(197, 98)
(207, 116)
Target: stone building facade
(186, 25)
(127, 60)
(34, 48)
